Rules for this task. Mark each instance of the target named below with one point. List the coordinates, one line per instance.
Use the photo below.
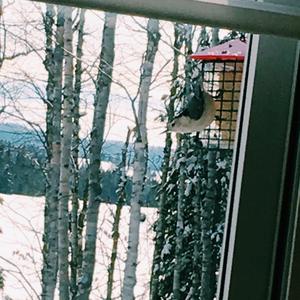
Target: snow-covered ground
(21, 227)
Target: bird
(198, 113)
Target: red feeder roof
(232, 50)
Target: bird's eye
(173, 124)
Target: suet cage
(222, 68)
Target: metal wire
(223, 78)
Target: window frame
(279, 18)
(255, 249)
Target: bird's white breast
(185, 124)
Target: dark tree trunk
(208, 203)
(160, 224)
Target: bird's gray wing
(193, 109)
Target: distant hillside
(19, 135)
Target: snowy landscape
(21, 225)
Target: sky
(24, 24)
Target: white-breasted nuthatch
(198, 113)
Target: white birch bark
(100, 106)
(49, 20)
(54, 95)
(75, 153)
(121, 192)
(64, 187)
(80, 228)
(2, 54)
(49, 270)
(140, 161)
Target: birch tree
(121, 192)
(75, 155)
(103, 84)
(53, 64)
(140, 160)
(64, 188)
(2, 51)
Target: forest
(81, 90)
(22, 162)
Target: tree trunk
(101, 100)
(64, 188)
(182, 142)
(2, 51)
(54, 95)
(203, 40)
(139, 167)
(48, 20)
(75, 152)
(160, 225)
(179, 224)
(121, 200)
(80, 227)
(215, 40)
(196, 203)
(207, 273)
(140, 161)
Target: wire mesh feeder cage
(222, 68)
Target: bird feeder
(222, 68)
